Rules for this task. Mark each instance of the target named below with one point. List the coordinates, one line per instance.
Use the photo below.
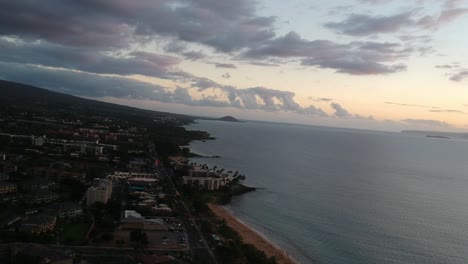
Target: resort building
(205, 179)
(100, 191)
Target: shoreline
(252, 237)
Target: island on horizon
(228, 119)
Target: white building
(100, 191)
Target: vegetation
(236, 251)
(73, 233)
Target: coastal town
(89, 182)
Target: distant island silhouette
(228, 119)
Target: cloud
(340, 111)
(365, 24)
(266, 64)
(226, 75)
(320, 99)
(426, 122)
(97, 85)
(411, 105)
(454, 111)
(448, 66)
(223, 25)
(445, 17)
(181, 48)
(107, 31)
(459, 76)
(356, 58)
(225, 65)
(54, 55)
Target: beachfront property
(100, 191)
(206, 179)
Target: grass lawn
(73, 232)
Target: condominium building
(100, 191)
(205, 179)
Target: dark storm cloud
(223, 25)
(357, 58)
(227, 26)
(77, 58)
(426, 122)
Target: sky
(371, 64)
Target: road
(197, 242)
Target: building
(38, 184)
(100, 191)
(132, 220)
(65, 210)
(7, 188)
(38, 224)
(43, 197)
(124, 175)
(205, 179)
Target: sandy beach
(251, 237)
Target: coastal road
(198, 245)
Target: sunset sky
(372, 64)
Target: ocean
(331, 195)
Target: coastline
(250, 236)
